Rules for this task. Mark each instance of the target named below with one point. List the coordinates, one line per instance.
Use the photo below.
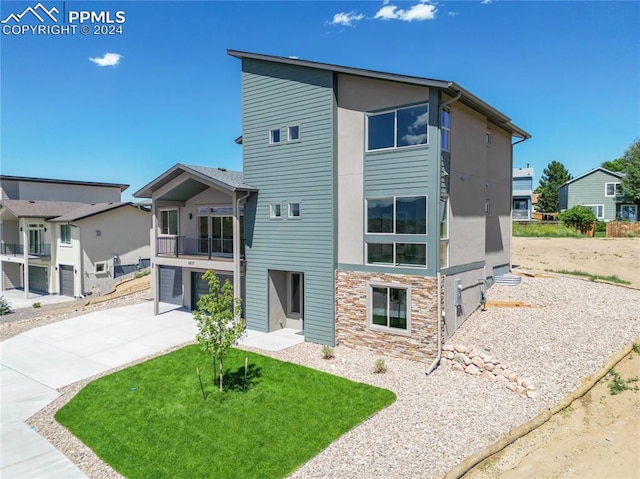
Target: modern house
(374, 208)
(601, 190)
(522, 193)
(68, 237)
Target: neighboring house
(377, 207)
(55, 239)
(601, 190)
(522, 194)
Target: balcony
(40, 250)
(520, 215)
(182, 246)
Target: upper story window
(445, 129)
(274, 136)
(613, 189)
(169, 222)
(398, 128)
(65, 234)
(294, 210)
(399, 215)
(487, 137)
(275, 210)
(293, 133)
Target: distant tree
(218, 320)
(631, 181)
(553, 176)
(619, 164)
(578, 217)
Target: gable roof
(122, 187)
(451, 88)
(56, 211)
(522, 172)
(92, 209)
(220, 177)
(616, 174)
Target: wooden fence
(623, 229)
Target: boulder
(477, 360)
(489, 366)
(460, 348)
(457, 367)
(472, 369)
(462, 359)
(486, 375)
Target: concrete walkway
(18, 301)
(36, 363)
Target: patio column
(25, 256)
(155, 276)
(236, 247)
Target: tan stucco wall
(356, 96)
(351, 316)
(61, 192)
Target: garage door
(199, 286)
(39, 279)
(171, 284)
(66, 280)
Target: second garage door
(39, 279)
(66, 280)
(170, 284)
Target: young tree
(631, 181)
(553, 176)
(578, 217)
(218, 319)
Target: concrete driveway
(36, 363)
(18, 301)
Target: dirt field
(603, 256)
(598, 436)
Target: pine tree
(553, 176)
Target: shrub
(36, 305)
(379, 367)
(578, 217)
(327, 352)
(141, 274)
(601, 227)
(5, 306)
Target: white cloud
(419, 12)
(486, 2)
(346, 19)
(452, 14)
(108, 60)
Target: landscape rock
(459, 348)
(457, 367)
(472, 369)
(489, 366)
(486, 375)
(462, 359)
(477, 360)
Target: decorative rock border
(477, 363)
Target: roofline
(451, 88)
(593, 170)
(182, 166)
(79, 218)
(122, 186)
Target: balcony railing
(520, 214)
(182, 246)
(42, 250)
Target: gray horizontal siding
(278, 96)
(523, 184)
(590, 190)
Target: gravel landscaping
(440, 419)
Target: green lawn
(150, 421)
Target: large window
(65, 234)
(398, 128)
(445, 129)
(399, 215)
(629, 212)
(169, 222)
(613, 189)
(397, 254)
(598, 210)
(444, 232)
(388, 308)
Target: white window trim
(366, 219)
(387, 329)
(296, 140)
(614, 183)
(105, 264)
(271, 142)
(272, 214)
(444, 128)
(395, 263)
(62, 243)
(169, 235)
(289, 215)
(598, 206)
(395, 128)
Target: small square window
(487, 138)
(169, 222)
(293, 133)
(275, 210)
(274, 136)
(294, 210)
(389, 308)
(101, 267)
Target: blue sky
(567, 72)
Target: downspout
(237, 277)
(435, 362)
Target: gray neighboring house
(68, 237)
(601, 190)
(375, 208)
(522, 194)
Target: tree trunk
(221, 375)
